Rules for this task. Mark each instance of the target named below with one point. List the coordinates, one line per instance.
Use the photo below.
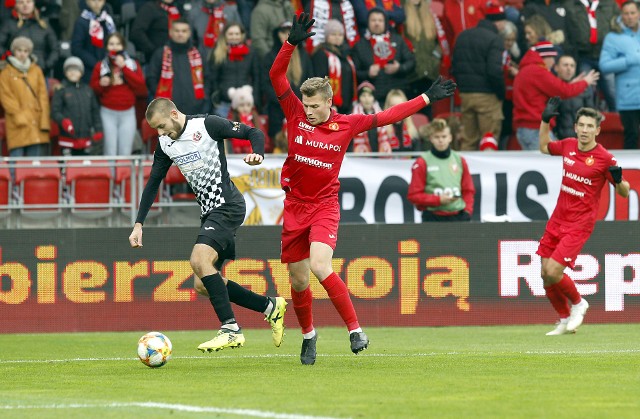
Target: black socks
(219, 297)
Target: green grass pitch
(452, 372)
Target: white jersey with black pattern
(198, 156)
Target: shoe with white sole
(561, 328)
(577, 315)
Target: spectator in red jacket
(460, 15)
(533, 87)
(118, 81)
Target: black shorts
(218, 230)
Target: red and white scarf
(321, 12)
(444, 43)
(383, 49)
(96, 31)
(106, 66)
(407, 141)
(173, 13)
(593, 22)
(238, 52)
(165, 85)
(363, 137)
(335, 77)
(215, 25)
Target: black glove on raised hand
(616, 173)
(551, 109)
(440, 89)
(299, 29)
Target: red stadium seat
(175, 177)
(5, 190)
(123, 180)
(149, 136)
(3, 138)
(39, 186)
(611, 131)
(91, 183)
(419, 120)
(513, 144)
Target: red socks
(339, 295)
(558, 300)
(302, 306)
(568, 288)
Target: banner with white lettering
(521, 186)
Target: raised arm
(549, 112)
(278, 72)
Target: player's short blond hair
(317, 85)
(159, 105)
(437, 125)
(591, 113)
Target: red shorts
(304, 223)
(562, 244)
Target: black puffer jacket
(568, 109)
(45, 41)
(77, 102)
(477, 60)
(227, 74)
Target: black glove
(616, 173)
(299, 29)
(551, 109)
(440, 89)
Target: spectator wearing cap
(266, 17)
(441, 185)
(91, 29)
(24, 96)
(478, 69)
(383, 57)
(588, 22)
(300, 69)
(377, 138)
(332, 58)
(118, 81)
(621, 56)
(75, 109)
(26, 21)
(533, 87)
(244, 111)
(341, 10)
(234, 63)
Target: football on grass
(154, 349)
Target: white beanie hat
(240, 95)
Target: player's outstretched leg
(226, 338)
(276, 319)
(578, 312)
(308, 352)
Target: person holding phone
(441, 185)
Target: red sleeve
(392, 115)
(468, 190)
(278, 75)
(551, 86)
(135, 79)
(95, 80)
(416, 194)
(555, 147)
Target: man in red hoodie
(533, 87)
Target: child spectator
(244, 111)
(75, 109)
(403, 136)
(118, 81)
(24, 96)
(376, 138)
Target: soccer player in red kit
(586, 168)
(318, 140)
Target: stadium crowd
(77, 74)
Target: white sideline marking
(369, 355)
(179, 407)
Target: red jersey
(310, 171)
(584, 173)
